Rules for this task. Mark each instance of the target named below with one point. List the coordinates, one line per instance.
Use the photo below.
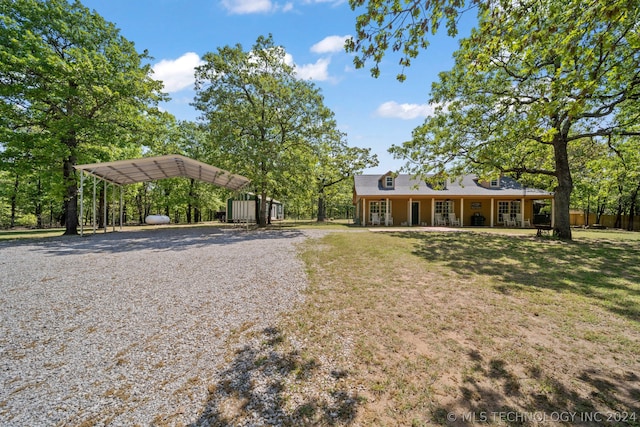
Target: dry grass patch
(430, 327)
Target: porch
(456, 212)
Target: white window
(444, 207)
(508, 209)
(379, 209)
(495, 182)
(388, 182)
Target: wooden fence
(578, 219)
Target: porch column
(364, 212)
(553, 213)
(410, 212)
(492, 215)
(433, 211)
(386, 213)
(461, 212)
(522, 212)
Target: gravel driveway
(129, 328)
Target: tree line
(543, 90)
(75, 91)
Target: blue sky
(374, 113)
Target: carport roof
(153, 168)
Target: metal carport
(145, 169)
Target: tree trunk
(38, 205)
(14, 201)
(632, 208)
(190, 200)
(562, 223)
(262, 210)
(71, 196)
(101, 208)
(586, 218)
(600, 210)
(620, 208)
(322, 209)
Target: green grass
(30, 234)
(406, 328)
(444, 323)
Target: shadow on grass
(605, 271)
(488, 399)
(251, 391)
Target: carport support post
(81, 203)
(104, 214)
(93, 213)
(113, 209)
(121, 205)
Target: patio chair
(507, 221)
(453, 221)
(519, 222)
(375, 219)
(439, 221)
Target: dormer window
(388, 182)
(495, 183)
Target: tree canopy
(268, 124)
(72, 88)
(535, 79)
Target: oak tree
(533, 78)
(71, 75)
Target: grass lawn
(404, 328)
(441, 328)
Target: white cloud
(318, 71)
(330, 44)
(177, 74)
(394, 110)
(244, 7)
(333, 2)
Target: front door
(415, 213)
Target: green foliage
(267, 124)
(534, 82)
(73, 90)
(401, 26)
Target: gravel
(132, 328)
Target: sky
(374, 113)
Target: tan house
(399, 200)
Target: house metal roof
(153, 168)
(468, 186)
